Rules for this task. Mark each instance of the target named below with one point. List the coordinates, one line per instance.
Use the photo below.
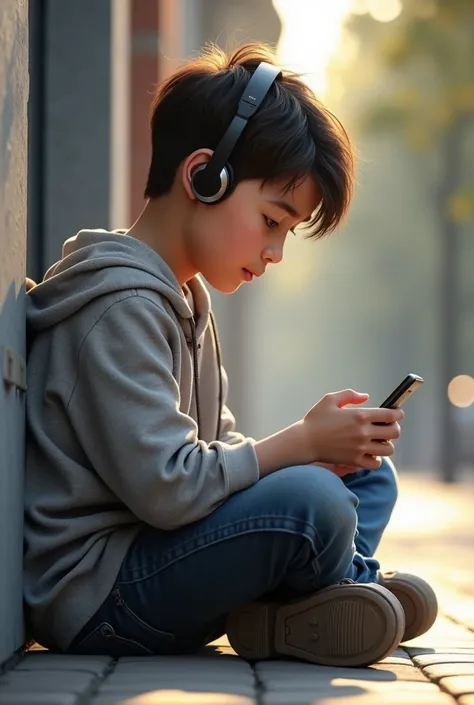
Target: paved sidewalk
(431, 533)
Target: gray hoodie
(116, 357)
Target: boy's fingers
(381, 415)
(30, 283)
(383, 448)
(386, 432)
(348, 396)
(372, 462)
(341, 470)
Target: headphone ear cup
(202, 186)
(230, 180)
(209, 188)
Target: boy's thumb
(349, 396)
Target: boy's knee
(336, 507)
(319, 498)
(387, 475)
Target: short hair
(292, 135)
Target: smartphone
(402, 392)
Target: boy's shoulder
(121, 304)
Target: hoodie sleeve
(228, 434)
(125, 411)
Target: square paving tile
(363, 693)
(441, 670)
(458, 685)
(44, 661)
(176, 697)
(15, 698)
(45, 681)
(431, 659)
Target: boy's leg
(295, 528)
(376, 492)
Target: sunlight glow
(416, 517)
(429, 508)
(359, 7)
(184, 697)
(311, 34)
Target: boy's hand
(339, 470)
(348, 437)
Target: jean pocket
(104, 640)
(133, 628)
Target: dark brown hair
(292, 135)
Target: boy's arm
(228, 434)
(124, 409)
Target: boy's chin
(226, 289)
(222, 286)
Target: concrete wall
(77, 171)
(144, 47)
(80, 152)
(13, 170)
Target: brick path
(431, 533)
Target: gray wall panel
(77, 120)
(13, 146)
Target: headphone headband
(254, 93)
(216, 170)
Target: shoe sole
(343, 625)
(418, 600)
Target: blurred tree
(426, 58)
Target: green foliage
(460, 205)
(425, 85)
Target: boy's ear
(190, 164)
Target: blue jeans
(293, 532)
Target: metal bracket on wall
(13, 369)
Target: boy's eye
(271, 224)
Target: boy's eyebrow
(284, 205)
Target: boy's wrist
(295, 438)
(283, 449)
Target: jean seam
(175, 559)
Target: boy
(152, 526)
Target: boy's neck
(161, 225)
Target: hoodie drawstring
(219, 372)
(196, 373)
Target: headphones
(211, 182)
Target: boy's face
(233, 241)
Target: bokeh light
(461, 391)
(384, 10)
(381, 10)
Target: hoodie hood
(98, 262)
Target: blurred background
(391, 292)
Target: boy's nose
(273, 255)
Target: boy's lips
(249, 275)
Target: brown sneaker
(347, 624)
(417, 598)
